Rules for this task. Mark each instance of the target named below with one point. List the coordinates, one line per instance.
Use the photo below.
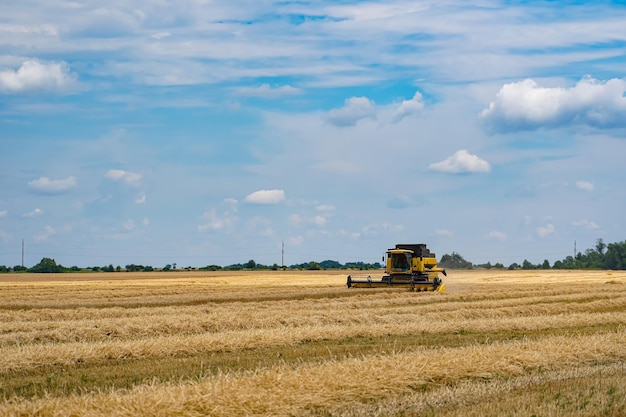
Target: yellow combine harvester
(410, 266)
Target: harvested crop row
(164, 321)
(33, 355)
(285, 391)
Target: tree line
(49, 265)
(601, 256)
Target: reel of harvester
(410, 266)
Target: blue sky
(210, 132)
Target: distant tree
(615, 257)
(148, 268)
(527, 265)
(545, 264)
(454, 261)
(174, 265)
(47, 265)
(250, 264)
(498, 266)
(600, 246)
(19, 268)
(329, 264)
(513, 266)
(167, 267)
(3, 268)
(313, 266)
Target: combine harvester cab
(410, 266)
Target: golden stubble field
(281, 343)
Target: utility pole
(22, 253)
(574, 249)
(282, 254)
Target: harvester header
(411, 266)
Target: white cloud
(587, 224)
(34, 75)
(141, 199)
(584, 185)
(409, 107)
(212, 221)
(47, 186)
(267, 91)
(4, 213)
(130, 178)
(443, 233)
(461, 162)
(324, 207)
(266, 197)
(525, 105)
(377, 229)
(495, 234)
(35, 213)
(354, 109)
(48, 231)
(129, 224)
(546, 230)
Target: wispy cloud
(584, 185)
(127, 177)
(586, 224)
(34, 213)
(267, 91)
(45, 185)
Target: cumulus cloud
(130, 178)
(584, 185)
(267, 91)
(47, 186)
(34, 75)
(354, 109)
(409, 107)
(461, 162)
(525, 105)
(266, 197)
(546, 230)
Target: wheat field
(285, 343)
